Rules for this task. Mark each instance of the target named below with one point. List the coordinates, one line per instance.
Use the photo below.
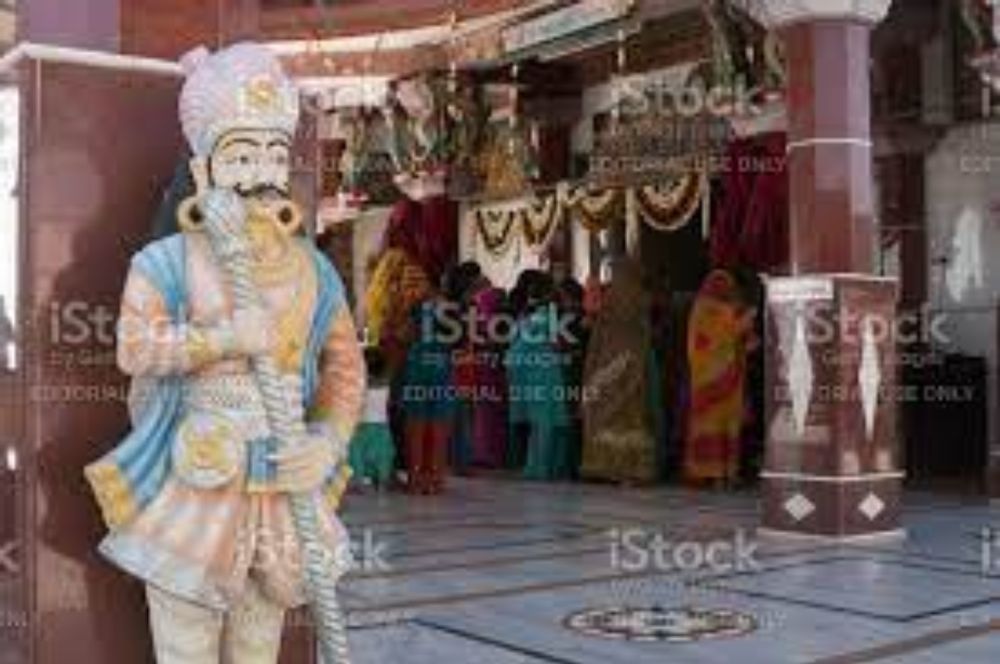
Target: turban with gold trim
(239, 87)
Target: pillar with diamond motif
(832, 463)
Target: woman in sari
(459, 284)
(428, 403)
(539, 414)
(718, 335)
(489, 439)
(399, 282)
(573, 346)
(622, 409)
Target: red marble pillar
(831, 467)
(91, 178)
(829, 148)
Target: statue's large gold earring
(190, 218)
(289, 218)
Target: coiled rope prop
(284, 405)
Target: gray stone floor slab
(490, 572)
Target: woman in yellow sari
(718, 338)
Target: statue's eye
(244, 160)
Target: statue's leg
(253, 629)
(183, 633)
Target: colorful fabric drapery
(427, 231)
(750, 224)
(438, 232)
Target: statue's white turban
(239, 87)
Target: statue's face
(255, 163)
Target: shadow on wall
(964, 245)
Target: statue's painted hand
(304, 467)
(253, 332)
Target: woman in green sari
(539, 415)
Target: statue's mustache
(262, 191)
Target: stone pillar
(832, 466)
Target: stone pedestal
(832, 462)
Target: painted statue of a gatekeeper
(247, 382)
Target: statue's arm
(150, 343)
(342, 380)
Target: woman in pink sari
(489, 438)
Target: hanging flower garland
(496, 229)
(670, 207)
(595, 210)
(666, 208)
(539, 220)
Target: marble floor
(498, 571)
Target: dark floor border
(718, 583)
(494, 643)
(914, 645)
